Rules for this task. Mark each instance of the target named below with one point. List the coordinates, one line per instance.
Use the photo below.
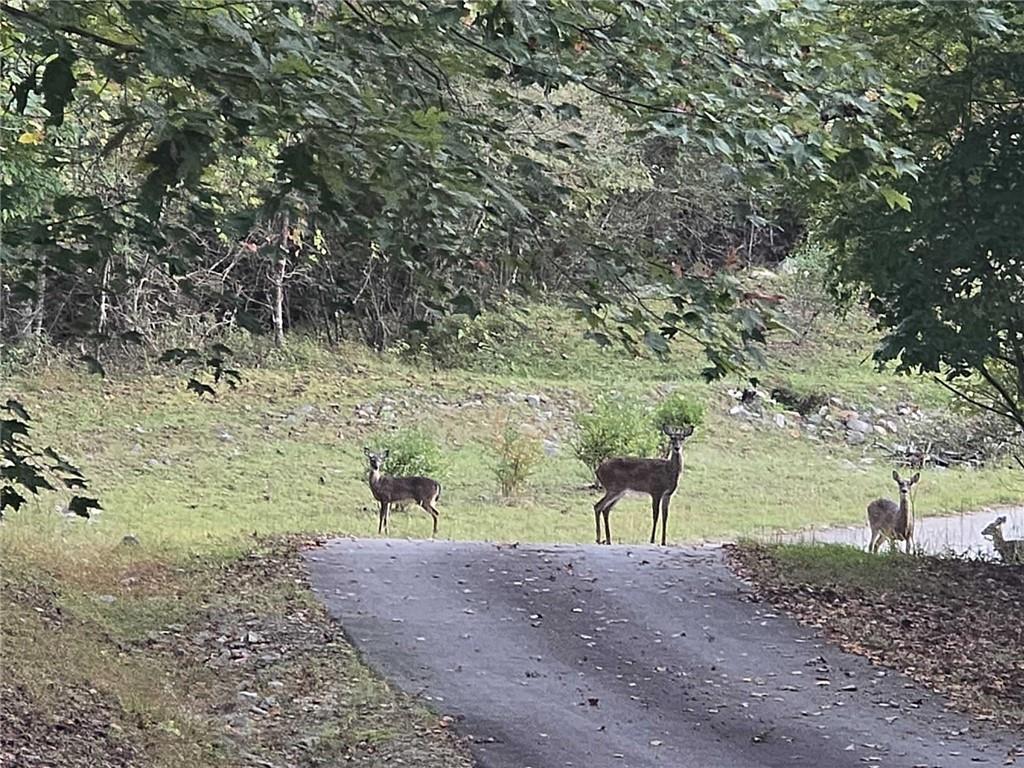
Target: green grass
(197, 476)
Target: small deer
(1010, 550)
(891, 521)
(658, 477)
(392, 490)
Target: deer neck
(375, 478)
(675, 462)
(997, 540)
(906, 517)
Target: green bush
(626, 427)
(516, 456)
(412, 451)
(615, 427)
(678, 410)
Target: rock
(136, 449)
(815, 419)
(108, 599)
(551, 447)
(275, 684)
(780, 421)
(836, 401)
(880, 430)
(858, 425)
(534, 401)
(890, 425)
(224, 436)
(248, 696)
(739, 410)
(855, 438)
(130, 540)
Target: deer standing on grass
(392, 490)
(891, 521)
(658, 477)
(1010, 550)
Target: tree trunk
(279, 273)
(101, 323)
(39, 315)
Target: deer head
(905, 485)
(376, 459)
(993, 529)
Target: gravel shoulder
(625, 656)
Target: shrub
(615, 427)
(516, 455)
(412, 451)
(678, 410)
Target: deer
(892, 521)
(658, 477)
(391, 490)
(1010, 550)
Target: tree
(943, 262)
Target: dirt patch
(284, 684)
(255, 674)
(954, 625)
(83, 734)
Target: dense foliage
(944, 269)
(367, 167)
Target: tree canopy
(395, 143)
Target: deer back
(652, 476)
(413, 488)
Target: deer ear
(366, 450)
(895, 475)
(688, 430)
(915, 478)
(1000, 520)
(387, 452)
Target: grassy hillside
(203, 483)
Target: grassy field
(201, 483)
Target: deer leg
(384, 508)
(665, 516)
(655, 506)
(603, 507)
(432, 511)
(380, 517)
(873, 544)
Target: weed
(516, 456)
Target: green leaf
(895, 199)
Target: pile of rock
(904, 432)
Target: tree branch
(70, 29)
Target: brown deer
(891, 521)
(392, 490)
(658, 477)
(1010, 550)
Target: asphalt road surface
(627, 657)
